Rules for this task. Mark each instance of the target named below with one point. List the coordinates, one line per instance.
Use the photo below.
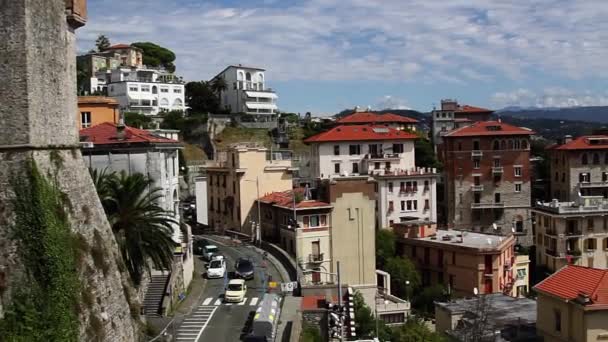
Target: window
(459, 146)
(596, 159)
(415, 203)
(563, 177)
(426, 204)
(518, 187)
(336, 150)
(496, 145)
(355, 167)
(85, 119)
(584, 177)
(524, 144)
(476, 144)
(177, 90)
(390, 186)
(496, 162)
(497, 197)
(605, 176)
(377, 166)
(590, 243)
(517, 170)
(391, 208)
(584, 159)
(459, 198)
(426, 185)
(387, 165)
(409, 205)
(354, 149)
(133, 88)
(557, 317)
(398, 148)
(314, 221)
(403, 205)
(337, 168)
(145, 88)
(164, 89)
(476, 163)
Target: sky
(324, 56)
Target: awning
(257, 105)
(264, 94)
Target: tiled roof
(360, 133)
(472, 109)
(285, 199)
(571, 280)
(105, 134)
(119, 46)
(369, 118)
(588, 142)
(313, 302)
(483, 128)
(97, 100)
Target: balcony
(487, 205)
(477, 188)
(382, 156)
(315, 257)
(497, 170)
(476, 154)
(593, 184)
(552, 252)
(574, 233)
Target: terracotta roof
(119, 46)
(472, 109)
(97, 100)
(571, 280)
(285, 199)
(587, 142)
(105, 134)
(368, 118)
(359, 133)
(483, 128)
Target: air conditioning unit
(86, 144)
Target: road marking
(207, 301)
(192, 327)
(243, 302)
(254, 301)
(218, 302)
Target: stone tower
(37, 113)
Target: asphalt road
(215, 320)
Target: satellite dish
(494, 226)
(513, 229)
(489, 241)
(475, 291)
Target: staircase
(155, 294)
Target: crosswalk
(215, 302)
(192, 327)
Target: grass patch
(233, 135)
(193, 153)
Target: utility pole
(295, 232)
(259, 230)
(340, 302)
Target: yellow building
(93, 110)
(572, 305)
(235, 179)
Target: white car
(235, 291)
(216, 268)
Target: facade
(464, 261)
(235, 179)
(93, 110)
(246, 92)
(579, 166)
(391, 120)
(487, 178)
(453, 116)
(572, 233)
(128, 55)
(145, 91)
(572, 305)
(201, 196)
(114, 57)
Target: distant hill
(552, 129)
(589, 114)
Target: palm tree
(218, 85)
(141, 227)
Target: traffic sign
(289, 287)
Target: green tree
(385, 247)
(137, 120)
(424, 302)
(366, 323)
(218, 85)
(415, 330)
(310, 334)
(156, 55)
(201, 98)
(425, 154)
(402, 270)
(82, 76)
(102, 43)
(141, 227)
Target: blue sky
(326, 55)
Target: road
(214, 320)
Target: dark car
(199, 245)
(243, 268)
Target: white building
(406, 193)
(200, 193)
(246, 92)
(119, 148)
(145, 91)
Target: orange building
(93, 110)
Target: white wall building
(200, 193)
(246, 92)
(145, 91)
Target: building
(128, 55)
(246, 92)
(112, 58)
(579, 165)
(201, 196)
(463, 261)
(391, 120)
(118, 148)
(93, 110)
(236, 178)
(572, 305)
(452, 116)
(146, 91)
(513, 319)
(572, 233)
(487, 178)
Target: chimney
(567, 138)
(157, 127)
(120, 130)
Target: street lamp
(407, 290)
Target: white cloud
(549, 97)
(456, 41)
(391, 102)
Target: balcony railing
(382, 156)
(552, 252)
(497, 170)
(477, 188)
(487, 205)
(476, 153)
(593, 184)
(315, 257)
(575, 232)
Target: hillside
(552, 129)
(588, 114)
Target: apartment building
(246, 92)
(579, 165)
(391, 120)
(487, 178)
(572, 233)
(93, 110)
(453, 116)
(572, 305)
(112, 58)
(236, 178)
(464, 261)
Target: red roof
(587, 142)
(359, 133)
(484, 128)
(570, 281)
(285, 199)
(472, 109)
(313, 302)
(119, 46)
(105, 134)
(370, 118)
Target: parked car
(217, 267)
(209, 251)
(199, 245)
(243, 268)
(235, 291)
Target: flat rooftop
(585, 205)
(466, 239)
